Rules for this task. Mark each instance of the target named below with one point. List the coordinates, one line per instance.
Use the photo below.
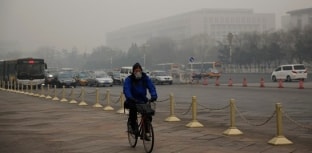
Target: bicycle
(146, 134)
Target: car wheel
(288, 79)
(274, 79)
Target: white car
(289, 72)
(160, 77)
(100, 79)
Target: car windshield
(83, 75)
(65, 75)
(101, 75)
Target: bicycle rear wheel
(132, 136)
(148, 137)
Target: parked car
(160, 77)
(64, 79)
(116, 77)
(100, 79)
(289, 72)
(82, 78)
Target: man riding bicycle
(135, 89)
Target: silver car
(160, 77)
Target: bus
(24, 71)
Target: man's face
(137, 73)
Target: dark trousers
(133, 118)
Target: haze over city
(64, 24)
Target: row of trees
(275, 48)
(248, 49)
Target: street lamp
(144, 54)
(144, 60)
(230, 38)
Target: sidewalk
(37, 125)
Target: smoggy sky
(63, 24)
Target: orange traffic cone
(280, 83)
(205, 81)
(230, 83)
(244, 82)
(301, 84)
(262, 82)
(217, 82)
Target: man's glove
(153, 99)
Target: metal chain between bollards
(112, 95)
(212, 109)
(188, 110)
(261, 124)
(104, 98)
(79, 95)
(117, 101)
(91, 93)
(70, 93)
(159, 101)
(59, 93)
(295, 122)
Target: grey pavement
(31, 124)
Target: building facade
(217, 23)
(297, 19)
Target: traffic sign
(191, 59)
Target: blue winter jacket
(136, 90)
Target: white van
(125, 71)
(289, 72)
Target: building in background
(217, 23)
(297, 19)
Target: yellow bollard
(232, 130)
(108, 107)
(63, 95)
(279, 139)
(82, 102)
(42, 92)
(172, 117)
(55, 98)
(48, 93)
(194, 122)
(121, 100)
(97, 104)
(72, 101)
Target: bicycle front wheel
(132, 136)
(148, 137)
